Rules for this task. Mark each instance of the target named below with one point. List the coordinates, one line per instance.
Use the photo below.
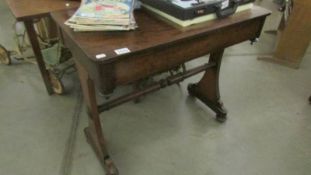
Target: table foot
(101, 153)
(216, 106)
(221, 117)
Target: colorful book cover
(95, 15)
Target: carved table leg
(93, 132)
(207, 89)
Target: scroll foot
(216, 106)
(221, 117)
(101, 153)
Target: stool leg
(38, 55)
(93, 132)
(207, 89)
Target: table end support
(94, 132)
(207, 89)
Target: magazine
(103, 15)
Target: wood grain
(151, 33)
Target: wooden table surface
(152, 32)
(29, 9)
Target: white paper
(122, 51)
(100, 56)
(225, 4)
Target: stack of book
(103, 15)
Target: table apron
(166, 57)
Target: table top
(152, 33)
(27, 9)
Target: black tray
(197, 10)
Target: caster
(221, 118)
(4, 56)
(57, 84)
(190, 89)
